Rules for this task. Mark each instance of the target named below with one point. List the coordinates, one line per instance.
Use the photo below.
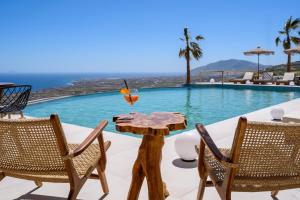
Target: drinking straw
(129, 92)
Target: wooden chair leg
(75, 186)
(227, 196)
(22, 114)
(103, 180)
(274, 193)
(73, 193)
(38, 183)
(201, 189)
(1, 176)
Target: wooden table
(147, 164)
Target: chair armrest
(205, 137)
(89, 140)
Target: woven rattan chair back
(263, 157)
(267, 150)
(14, 98)
(29, 145)
(36, 149)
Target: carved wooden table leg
(138, 176)
(153, 128)
(148, 164)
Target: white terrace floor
(182, 183)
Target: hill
(280, 69)
(228, 65)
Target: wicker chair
(263, 157)
(13, 99)
(36, 149)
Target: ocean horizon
(40, 81)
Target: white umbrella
(293, 50)
(258, 51)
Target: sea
(40, 81)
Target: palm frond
(295, 40)
(192, 49)
(286, 34)
(182, 52)
(196, 50)
(287, 25)
(197, 53)
(295, 23)
(277, 41)
(199, 37)
(194, 45)
(282, 32)
(289, 21)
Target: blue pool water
(200, 104)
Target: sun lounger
(267, 77)
(36, 149)
(248, 76)
(263, 157)
(287, 78)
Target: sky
(112, 36)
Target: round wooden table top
(158, 123)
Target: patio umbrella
(293, 50)
(258, 51)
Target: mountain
(229, 65)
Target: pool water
(200, 104)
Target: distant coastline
(52, 86)
(42, 81)
(84, 87)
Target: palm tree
(193, 49)
(287, 32)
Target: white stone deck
(182, 183)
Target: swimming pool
(205, 104)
